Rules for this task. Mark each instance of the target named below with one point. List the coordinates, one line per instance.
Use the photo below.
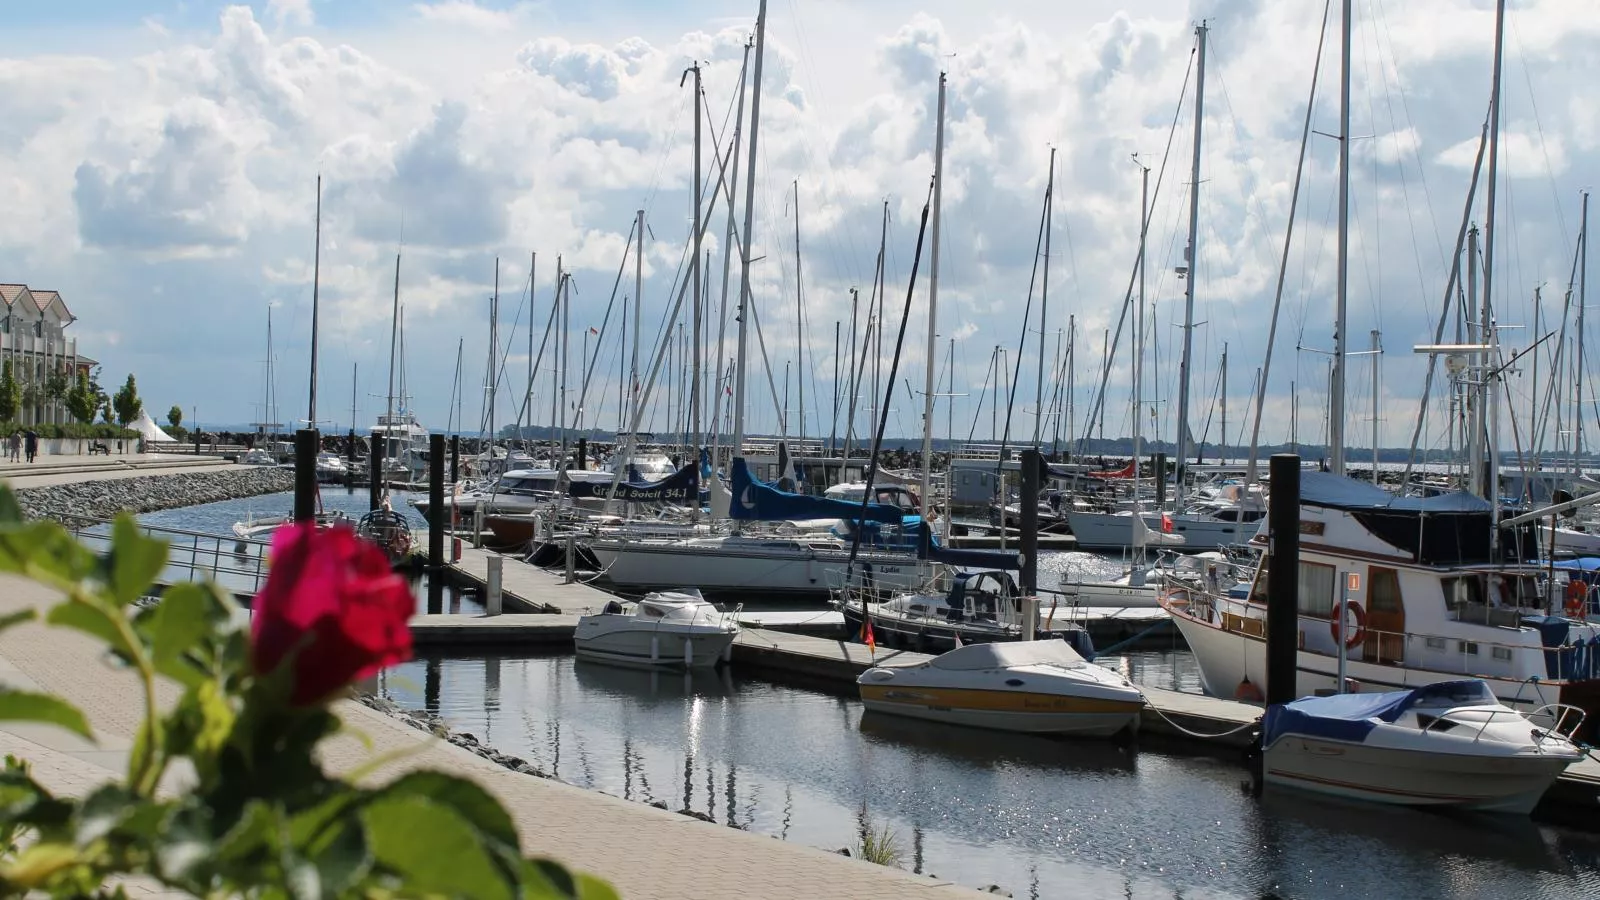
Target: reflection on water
(1040, 817)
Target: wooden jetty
(542, 630)
(526, 588)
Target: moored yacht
(1442, 596)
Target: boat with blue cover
(1450, 744)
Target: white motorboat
(670, 629)
(1575, 539)
(1028, 686)
(1451, 744)
(258, 456)
(331, 467)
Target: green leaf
(33, 866)
(254, 832)
(176, 626)
(17, 618)
(10, 509)
(183, 845)
(93, 619)
(341, 856)
(44, 549)
(475, 804)
(103, 811)
(433, 849)
(133, 562)
(24, 706)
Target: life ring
(1357, 634)
(1577, 597)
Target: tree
(57, 386)
(82, 400)
(10, 394)
(126, 402)
(175, 416)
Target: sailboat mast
(1490, 332)
(1138, 353)
(799, 323)
(527, 404)
(1044, 299)
(355, 379)
(1583, 278)
(638, 294)
(316, 271)
(749, 237)
(695, 273)
(933, 303)
(1222, 442)
(1336, 388)
(394, 339)
(1185, 367)
(1377, 349)
(494, 355)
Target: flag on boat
(959, 645)
(593, 330)
(866, 635)
(1166, 523)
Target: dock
(526, 588)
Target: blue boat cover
(756, 500)
(1349, 717)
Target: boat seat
(612, 608)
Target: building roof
(10, 292)
(45, 299)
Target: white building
(33, 339)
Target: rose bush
(257, 816)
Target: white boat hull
(1489, 783)
(1050, 715)
(1108, 594)
(1107, 531)
(642, 565)
(663, 648)
(1226, 659)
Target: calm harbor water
(1042, 818)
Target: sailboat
(1449, 589)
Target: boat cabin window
(1316, 590)
(1383, 590)
(648, 611)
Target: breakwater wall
(103, 499)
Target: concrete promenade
(45, 471)
(645, 852)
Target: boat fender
(1357, 634)
(1248, 692)
(1577, 597)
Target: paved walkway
(73, 469)
(645, 852)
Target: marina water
(1039, 817)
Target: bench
(98, 447)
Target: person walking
(15, 442)
(30, 440)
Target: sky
(159, 161)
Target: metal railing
(236, 564)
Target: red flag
(593, 330)
(1166, 523)
(866, 635)
(959, 645)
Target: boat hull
(924, 636)
(1106, 531)
(810, 573)
(644, 648)
(1487, 783)
(1005, 710)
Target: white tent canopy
(149, 430)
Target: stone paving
(645, 852)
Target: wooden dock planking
(526, 588)
(530, 629)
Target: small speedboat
(331, 467)
(1451, 744)
(1041, 687)
(258, 456)
(668, 629)
(979, 607)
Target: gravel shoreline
(148, 493)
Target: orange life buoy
(1357, 634)
(1577, 595)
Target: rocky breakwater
(148, 493)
